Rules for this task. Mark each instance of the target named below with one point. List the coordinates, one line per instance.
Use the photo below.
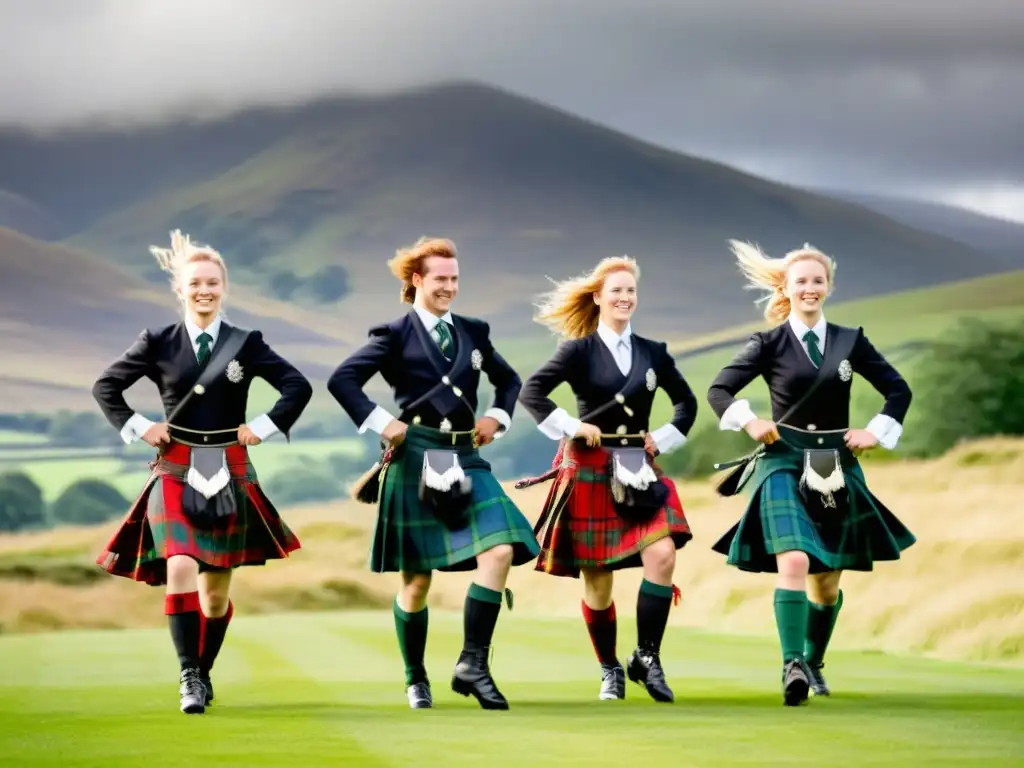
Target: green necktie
(444, 338)
(812, 348)
(204, 347)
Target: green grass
(9, 437)
(327, 689)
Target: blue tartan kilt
(408, 537)
(851, 538)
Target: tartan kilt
(408, 537)
(156, 528)
(850, 538)
(581, 528)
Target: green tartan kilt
(408, 537)
(850, 538)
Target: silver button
(821, 440)
(812, 427)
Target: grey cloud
(912, 92)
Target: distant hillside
(987, 233)
(64, 313)
(308, 203)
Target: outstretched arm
(887, 426)
(553, 421)
(684, 403)
(294, 388)
(347, 382)
(735, 414)
(507, 383)
(109, 388)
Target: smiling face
(202, 288)
(617, 298)
(437, 288)
(807, 286)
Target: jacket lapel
(463, 349)
(641, 363)
(430, 347)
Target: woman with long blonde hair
(610, 507)
(811, 515)
(202, 512)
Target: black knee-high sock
(184, 619)
(480, 616)
(211, 638)
(652, 609)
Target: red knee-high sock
(602, 628)
(212, 638)
(183, 617)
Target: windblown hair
(183, 252)
(569, 308)
(767, 274)
(411, 260)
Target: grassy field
(327, 690)
(927, 664)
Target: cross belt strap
(732, 483)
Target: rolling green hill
(308, 202)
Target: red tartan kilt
(587, 532)
(156, 527)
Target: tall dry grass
(958, 593)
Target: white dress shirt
(137, 425)
(379, 418)
(739, 414)
(560, 424)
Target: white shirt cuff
(886, 429)
(378, 421)
(667, 438)
(135, 428)
(736, 416)
(263, 427)
(559, 424)
(502, 418)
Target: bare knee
(823, 588)
(182, 574)
(415, 588)
(214, 594)
(497, 558)
(660, 558)
(597, 588)
(793, 565)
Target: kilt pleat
(408, 537)
(776, 520)
(581, 528)
(156, 528)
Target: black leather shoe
(644, 667)
(794, 683)
(613, 682)
(192, 692)
(817, 680)
(419, 696)
(473, 676)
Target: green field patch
(328, 689)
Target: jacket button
(812, 427)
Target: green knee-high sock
(821, 620)
(411, 629)
(791, 620)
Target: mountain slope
(65, 313)
(309, 202)
(987, 233)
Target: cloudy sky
(919, 97)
